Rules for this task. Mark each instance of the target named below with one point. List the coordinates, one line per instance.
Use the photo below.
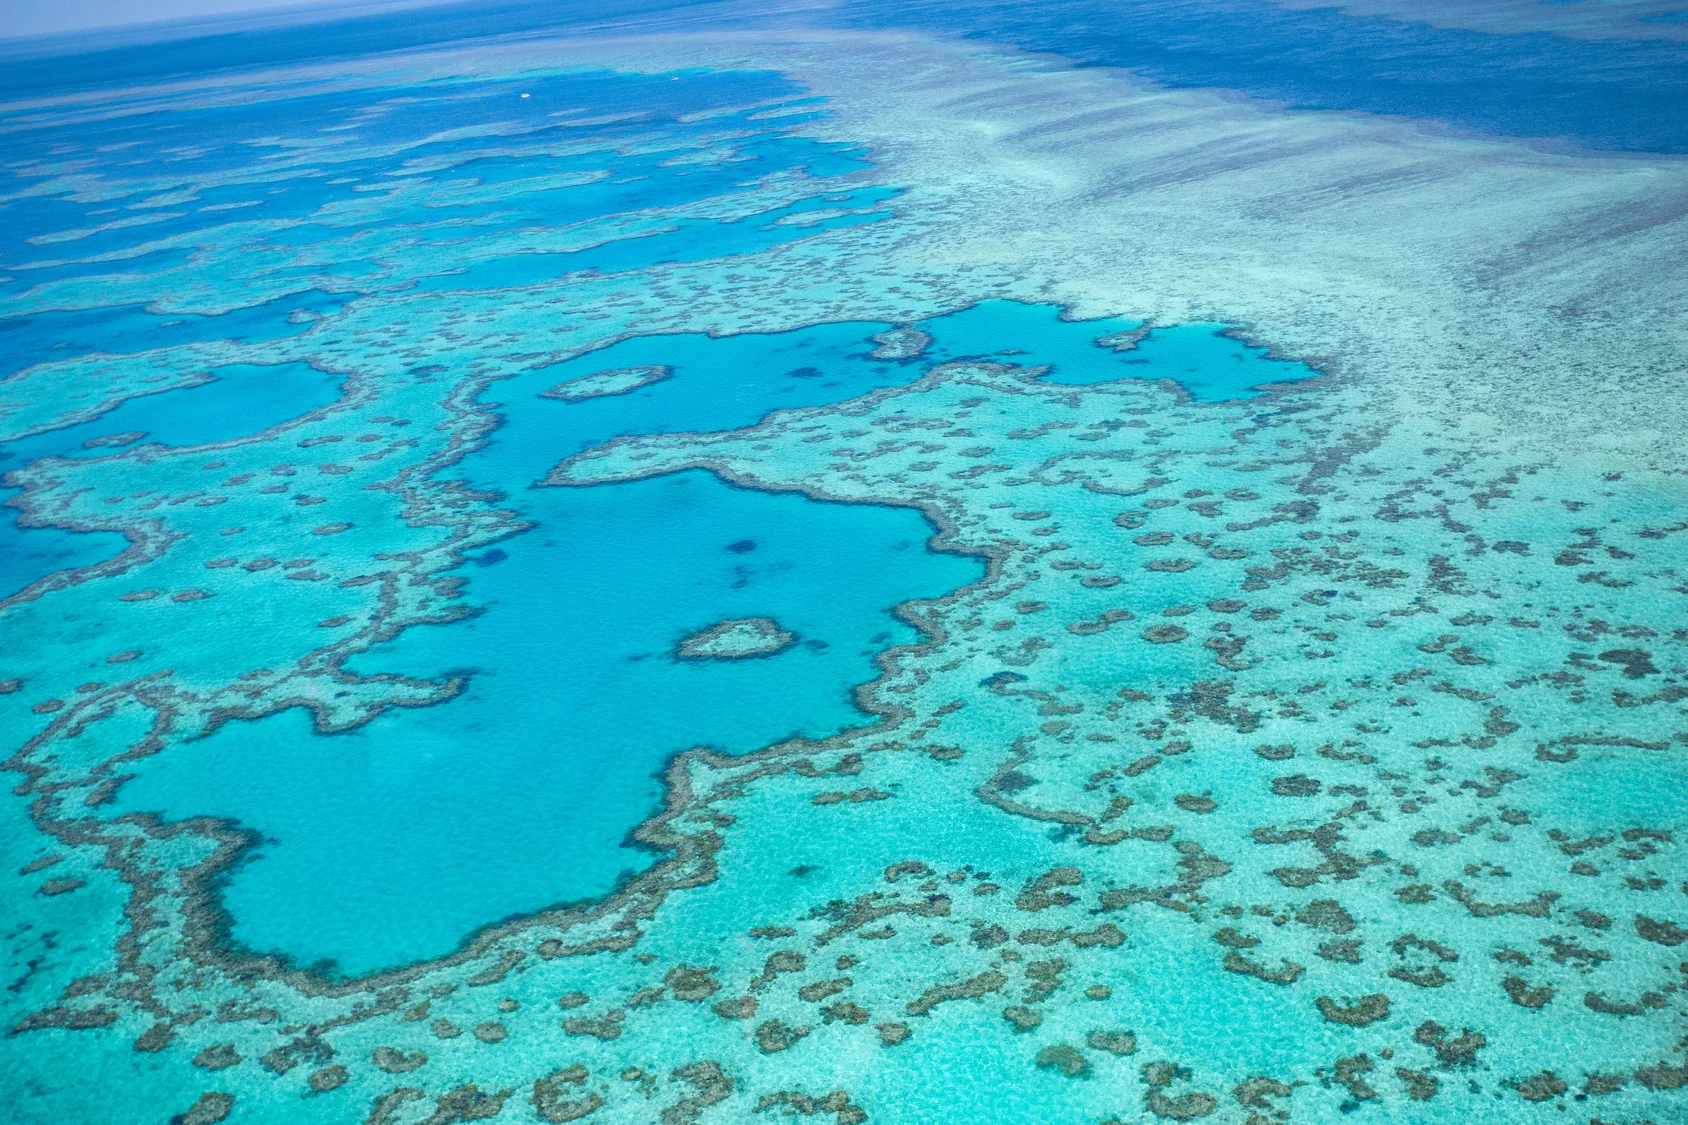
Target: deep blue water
(301, 218)
(1614, 94)
(192, 142)
(1603, 94)
(1207, 366)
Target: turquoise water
(554, 670)
(585, 776)
(521, 793)
(724, 382)
(717, 383)
(1208, 366)
(238, 400)
(582, 611)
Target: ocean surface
(1141, 719)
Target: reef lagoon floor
(699, 564)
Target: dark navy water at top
(414, 119)
(1620, 93)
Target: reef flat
(1252, 666)
(620, 381)
(742, 639)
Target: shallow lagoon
(239, 400)
(1208, 365)
(394, 841)
(45, 336)
(575, 700)
(236, 401)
